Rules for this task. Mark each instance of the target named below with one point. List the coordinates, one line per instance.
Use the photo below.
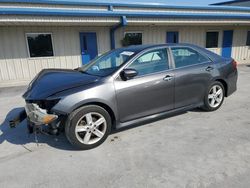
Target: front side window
(132, 38)
(248, 38)
(184, 56)
(40, 44)
(151, 62)
(108, 63)
(212, 38)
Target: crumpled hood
(51, 81)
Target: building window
(212, 39)
(248, 38)
(132, 38)
(40, 44)
(172, 37)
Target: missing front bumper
(37, 119)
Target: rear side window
(151, 62)
(184, 56)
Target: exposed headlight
(38, 115)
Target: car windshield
(108, 63)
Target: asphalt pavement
(193, 149)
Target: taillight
(234, 63)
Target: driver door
(151, 91)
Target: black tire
(207, 106)
(75, 117)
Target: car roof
(139, 48)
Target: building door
(227, 43)
(88, 46)
(172, 37)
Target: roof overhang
(90, 13)
(62, 16)
(133, 3)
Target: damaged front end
(37, 115)
(44, 93)
(40, 118)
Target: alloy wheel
(90, 128)
(215, 96)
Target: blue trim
(114, 28)
(59, 12)
(134, 4)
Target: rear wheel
(88, 127)
(214, 96)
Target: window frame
(202, 53)
(127, 32)
(248, 38)
(212, 31)
(38, 33)
(170, 64)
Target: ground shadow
(20, 136)
(247, 65)
(157, 119)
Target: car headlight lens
(49, 118)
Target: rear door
(193, 73)
(152, 91)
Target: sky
(169, 2)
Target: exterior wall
(195, 35)
(17, 68)
(241, 52)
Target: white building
(42, 34)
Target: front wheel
(214, 96)
(88, 127)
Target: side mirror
(128, 74)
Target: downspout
(114, 28)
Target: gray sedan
(125, 87)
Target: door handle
(168, 78)
(209, 68)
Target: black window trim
(173, 62)
(209, 31)
(27, 44)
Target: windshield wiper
(82, 71)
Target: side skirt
(150, 118)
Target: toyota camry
(124, 87)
